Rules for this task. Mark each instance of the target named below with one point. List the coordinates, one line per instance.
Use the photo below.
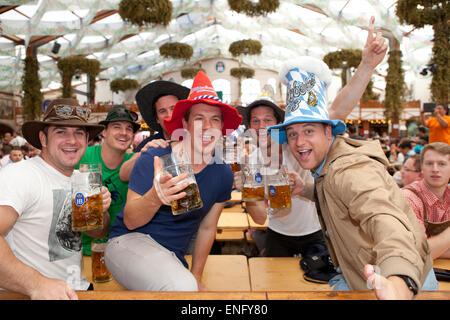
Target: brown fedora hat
(63, 112)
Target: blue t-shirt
(175, 231)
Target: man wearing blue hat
(367, 223)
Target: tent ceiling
(94, 29)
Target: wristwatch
(409, 283)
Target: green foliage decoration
(31, 86)
(395, 87)
(146, 12)
(261, 8)
(190, 73)
(436, 13)
(70, 66)
(242, 72)
(123, 84)
(176, 50)
(245, 47)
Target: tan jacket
(366, 216)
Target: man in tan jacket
(368, 224)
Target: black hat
(245, 111)
(147, 96)
(121, 113)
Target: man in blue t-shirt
(147, 242)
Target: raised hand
(375, 48)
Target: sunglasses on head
(67, 111)
(123, 113)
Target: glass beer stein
(253, 182)
(87, 202)
(278, 190)
(176, 163)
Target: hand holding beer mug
(253, 182)
(87, 202)
(178, 167)
(231, 157)
(278, 189)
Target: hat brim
(136, 126)
(30, 129)
(147, 96)
(245, 111)
(278, 132)
(230, 116)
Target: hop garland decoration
(176, 50)
(262, 8)
(436, 13)
(245, 47)
(146, 12)
(395, 87)
(70, 66)
(123, 85)
(31, 86)
(242, 72)
(336, 59)
(190, 73)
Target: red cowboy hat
(203, 92)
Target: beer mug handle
(158, 189)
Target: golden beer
(87, 213)
(253, 193)
(279, 197)
(190, 202)
(99, 271)
(235, 167)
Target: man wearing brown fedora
(40, 255)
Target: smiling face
(436, 169)
(63, 147)
(262, 117)
(118, 135)
(164, 108)
(309, 143)
(204, 125)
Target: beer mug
(278, 190)
(176, 163)
(231, 157)
(99, 271)
(253, 182)
(87, 202)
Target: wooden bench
(225, 272)
(280, 274)
(443, 264)
(229, 235)
(236, 221)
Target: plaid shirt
(437, 211)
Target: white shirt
(42, 236)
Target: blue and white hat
(306, 79)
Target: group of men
(342, 193)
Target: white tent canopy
(95, 29)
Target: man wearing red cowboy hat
(39, 252)
(147, 242)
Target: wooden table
(232, 221)
(222, 295)
(280, 274)
(225, 272)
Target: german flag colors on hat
(202, 91)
